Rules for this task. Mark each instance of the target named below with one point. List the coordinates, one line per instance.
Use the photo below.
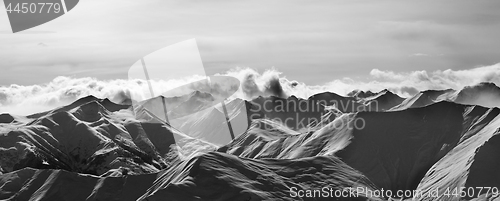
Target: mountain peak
(387, 93)
(6, 118)
(384, 91)
(88, 99)
(90, 112)
(484, 94)
(326, 94)
(433, 91)
(482, 87)
(485, 85)
(488, 84)
(361, 94)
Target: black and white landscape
(122, 100)
(94, 149)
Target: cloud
(376, 73)
(404, 83)
(442, 79)
(254, 84)
(420, 55)
(24, 100)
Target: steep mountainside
(344, 104)
(293, 112)
(484, 94)
(94, 149)
(90, 139)
(213, 176)
(395, 150)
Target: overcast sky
(310, 41)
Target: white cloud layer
(24, 100)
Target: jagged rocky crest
(94, 149)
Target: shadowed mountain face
(344, 104)
(425, 98)
(383, 101)
(358, 101)
(213, 176)
(483, 94)
(94, 149)
(167, 108)
(211, 125)
(393, 149)
(6, 118)
(292, 112)
(106, 103)
(361, 94)
(89, 139)
(197, 114)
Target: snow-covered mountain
(94, 149)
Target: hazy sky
(310, 41)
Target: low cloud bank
(24, 100)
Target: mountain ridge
(105, 152)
